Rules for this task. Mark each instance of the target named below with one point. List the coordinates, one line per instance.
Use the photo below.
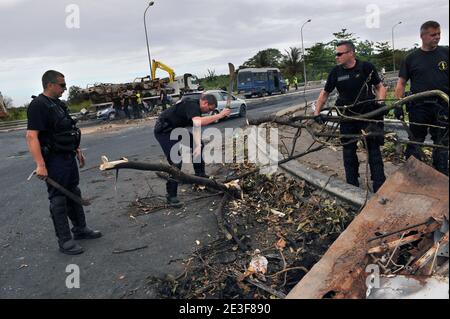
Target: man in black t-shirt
(181, 115)
(355, 81)
(53, 141)
(427, 69)
(125, 104)
(117, 104)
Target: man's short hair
(427, 25)
(211, 99)
(349, 44)
(50, 76)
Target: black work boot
(173, 201)
(58, 213)
(85, 233)
(76, 214)
(70, 247)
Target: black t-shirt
(43, 115)
(181, 114)
(427, 70)
(350, 82)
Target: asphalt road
(30, 263)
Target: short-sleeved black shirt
(41, 118)
(427, 70)
(181, 114)
(349, 83)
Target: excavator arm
(162, 66)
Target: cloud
(10, 3)
(189, 36)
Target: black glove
(319, 119)
(399, 113)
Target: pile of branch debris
(271, 238)
(397, 247)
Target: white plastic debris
(258, 263)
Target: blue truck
(260, 81)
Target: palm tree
(265, 58)
(292, 62)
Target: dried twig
(224, 227)
(128, 250)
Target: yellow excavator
(159, 65)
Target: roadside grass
(390, 100)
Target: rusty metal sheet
(410, 196)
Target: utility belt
(48, 151)
(66, 142)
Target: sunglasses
(341, 53)
(61, 85)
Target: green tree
(319, 60)
(341, 36)
(365, 50)
(383, 57)
(74, 95)
(292, 63)
(211, 75)
(265, 58)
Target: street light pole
(146, 38)
(393, 49)
(303, 56)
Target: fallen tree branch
(231, 188)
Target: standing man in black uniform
(427, 69)
(354, 81)
(53, 140)
(180, 115)
(125, 104)
(117, 104)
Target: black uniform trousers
(63, 169)
(351, 162)
(167, 144)
(429, 114)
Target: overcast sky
(188, 35)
